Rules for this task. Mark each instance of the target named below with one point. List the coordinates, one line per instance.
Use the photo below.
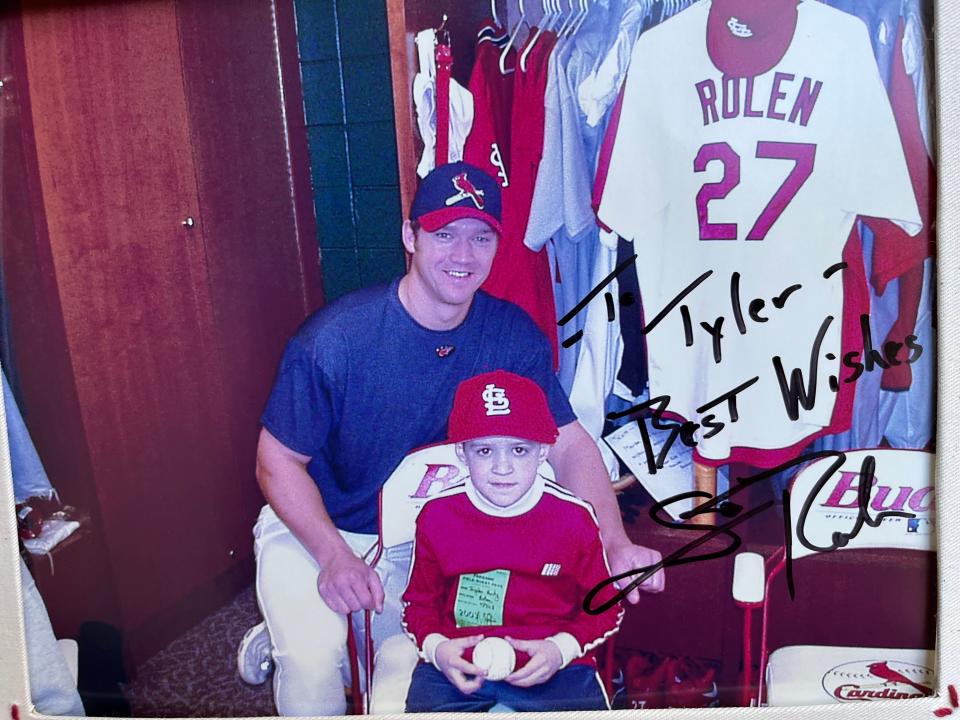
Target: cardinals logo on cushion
(465, 189)
(878, 680)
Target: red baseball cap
(746, 38)
(501, 404)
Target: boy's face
(502, 469)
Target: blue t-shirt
(362, 384)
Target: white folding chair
(875, 644)
(422, 474)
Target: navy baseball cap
(455, 191)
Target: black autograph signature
(797, 390)
(724, 506)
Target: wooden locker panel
(261, 253)
(37, 333)
(117, 179)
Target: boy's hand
(545, 660)
(449, 660)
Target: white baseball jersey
(757, 181)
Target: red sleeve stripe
(606, 152)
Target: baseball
(496, 656)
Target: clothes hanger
(557, 13)
(441, 34)
(577, 18)
(511, 40)
(546, 22)
(492, 33)
(583, 17)
(565, 25)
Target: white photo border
(14, 684)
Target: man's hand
(545, 660)
(579, 468)
(625, 557)
(347, 584)
(449, 660)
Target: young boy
(506, 554)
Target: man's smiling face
(450, 264)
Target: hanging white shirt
(425, 101)
(764, 180)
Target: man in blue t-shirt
(362, 383)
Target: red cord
(444, 63)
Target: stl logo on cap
(501, 404)
(738, 28)
(465, 189)
(495, 400)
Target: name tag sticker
(480, 598)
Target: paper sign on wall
(669, 480)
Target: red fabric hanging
(519, 274)
(444, 57)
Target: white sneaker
(255, 655)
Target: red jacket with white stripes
(548, 553)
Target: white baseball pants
(311, 665)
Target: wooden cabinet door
(118, 184)
(177, 255)
(259, 274)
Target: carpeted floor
(196, 675)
